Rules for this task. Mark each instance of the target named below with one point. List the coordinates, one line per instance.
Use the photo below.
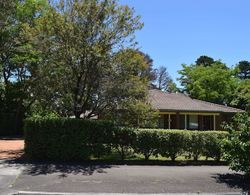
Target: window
(161, 122)
(193, 122)
(182, 122)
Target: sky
(179, 31)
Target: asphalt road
(16, 177)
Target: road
(119, 178)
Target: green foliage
(243, 70)
(242, 95)
(135, 114)
(215, 83)
(74, 139)
(237, 147)
(37, 111)
(204, 61)
(213, 145)
(205, 143)
(122, 140)
(18, 60)
(172, 143)
(42, 45)
(196, 144)
(67, 139)
(89, 52)
(146, 143)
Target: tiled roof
(165, 101)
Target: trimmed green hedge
(174, 143)
(67, 139)
(74, 139)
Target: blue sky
(179, 31)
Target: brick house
(179, 111)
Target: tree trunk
(77, 114)
(146, 156)
(173, 157)
(196, 156)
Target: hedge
(174, 143)
(75, 139)
(11, 124)
(67, 139)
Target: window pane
(193, 122)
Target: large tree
(18, 58)
(204, 60)
(128, 91)
(164, 81)
(214, 83)
(150, 71)
(243, 70)
(242, 95)
(82, 42)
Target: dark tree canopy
(205, 61)
(149, 72)
(244, 70)
(18, 59)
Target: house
(179, 111)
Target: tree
(244, 70)
(150, 72)
(82, 42)
(164, 81)
(18, 58)
(205, 61)
(237, 146)
(242, 95)
(214, 83)
(128, 91)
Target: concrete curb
(61, 193)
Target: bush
(237, 146)
(172, 143)
(122, 140)
(196, 144)
(213, 144)
(207, 143)
(54, 138)
(146, 143)
(67, 139)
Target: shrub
(66, 139)
(196, 144)
(122, 140)
(172, 143)
(237, 146)
(146, 143)
(207, 143)
(213, 144)
(54, 138)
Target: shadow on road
(234, 181)
(44, 168)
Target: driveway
(11, 148)
(119, 178)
